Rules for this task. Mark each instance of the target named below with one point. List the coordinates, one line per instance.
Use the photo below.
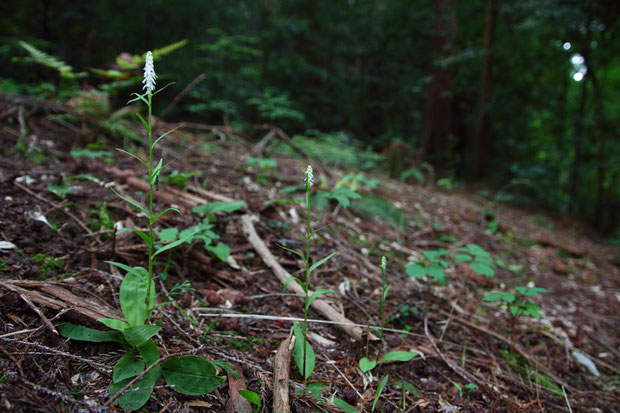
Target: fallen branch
(281, 369)
(319, 304)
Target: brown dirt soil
(57, 273)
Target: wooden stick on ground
(281, 368)
(320, 305)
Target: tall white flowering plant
(134, 377)
(303, 353)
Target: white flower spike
(309, 176)
(149, 73)
(383, 263)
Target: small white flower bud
(383, 263)
(149, 73)
(309, 176)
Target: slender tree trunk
(438, 105)
(481, 141)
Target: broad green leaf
(367, 365)
(342, 200)
(132, 202)
(132, 296)
(344, 406)
(118, 325)
(316, 294)
(127, 367)
(149, 352)
(250, 396)
(185, 237)
(482, 269)
(191, 375)
(320, 262)
(168, 234)
(398, 356)
(415, 270)
(436, 272)
(380, 388)
(290, 250)
(222, 206)
(298, 352)
(462, 258)
(60, 190)
(433, 255)
(135, 399)
(290, 280)
(82, 333)
(140, 334)
(499, 296)
(221, 250)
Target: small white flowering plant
(138, 370)
(303, 353)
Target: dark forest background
(523, 95)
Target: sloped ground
(473, 357)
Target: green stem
(307, 286)
(150, 217)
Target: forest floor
(472, 356)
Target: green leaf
(221, 250)
(436, 272)
(298, 352)
(406, 386)
(344, 406)
(149, 352)
(531, 291)
(191, 375)
(482, 269)
(290, 250)
(162, 136)
(168, 234)
(60, 190)
(118, 325)
(140, 334)
(398, 356)
(146, 125)
(132, 202)
(133, 295)
(133, 156)
(89, 153)
(135, 399)
(82, 333)
(127, 367)
(320, 262)
(415, 270)
(367, 365)
(222, 206)
(156, 171)
(250, 396)
(141, 234)
(163, 212)
(462, 258)
(499, 296)
(185, 236)
(316, 294)
(380, 388)
(290, 280)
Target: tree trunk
(481, 141)
(438, 106)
